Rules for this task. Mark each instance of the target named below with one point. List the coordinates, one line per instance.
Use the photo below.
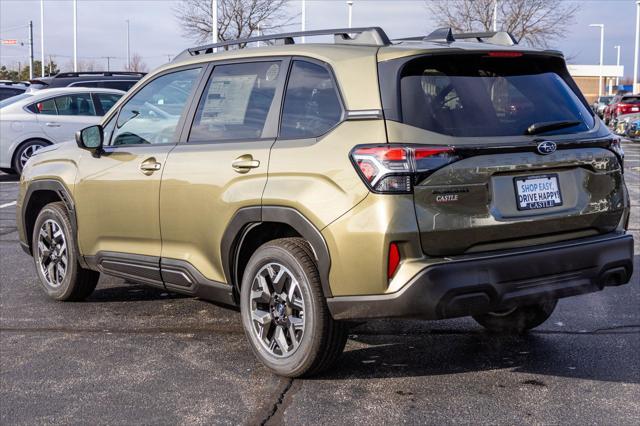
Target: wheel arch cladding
(39, 194)
(251, 227)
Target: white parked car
(31, 121)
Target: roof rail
(372, 36)
(493, 37)
(103, 73)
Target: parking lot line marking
(2, 206)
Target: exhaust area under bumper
(487, 282)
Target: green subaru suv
(315, 184)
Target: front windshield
(481, 95)
(14, 99)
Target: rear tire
(517, 320)
(56, 256)
(26, 151)
(284, 312)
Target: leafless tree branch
(236, 18)
(536, 23)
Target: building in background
(587, 77)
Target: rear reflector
(394, 260)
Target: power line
(4, 30)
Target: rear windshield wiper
(547, 126)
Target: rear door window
(479, 95)
(311, 104)
(46, 107)
(106, 101)
(77, 104)
(236, 102)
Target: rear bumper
(482, 283)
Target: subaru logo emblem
(546, 147)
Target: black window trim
(26, 107)
(130, 94)
(272, 122)
(336, 87)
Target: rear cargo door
(532, 164)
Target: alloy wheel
(28, 153)
(277, 310)
(52, 253)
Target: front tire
(26, 151)
(284, 313)
(56, 256)
(517, 320)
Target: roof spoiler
(447, 35)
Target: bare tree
(534, 22)
(136, 64)
(86, 65)
(236, 18)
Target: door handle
(149, 166)
(244, 163)
(52, 125)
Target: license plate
(634, 109)
(537, 192)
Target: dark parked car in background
(600, 104)
(121, 80)
(9, 89)
(620, 105)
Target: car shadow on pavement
(585, 355)
(131, 293)
(9, 178)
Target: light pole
(601, 26)
(41, 38)
(495, 15)
(75, 35)
(303, 19)
(350, 6)
(635, 88)
(259, 43)
(30, 50)
(214, 21)
(128, 48)
(617, 64)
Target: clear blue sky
(156, 34)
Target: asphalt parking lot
(131, 354)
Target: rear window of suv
(482, 95)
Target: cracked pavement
(132, 354)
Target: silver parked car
(31, 121)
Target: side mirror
(90, 138)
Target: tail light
(616, 146)
(503, 54)
(393, 169)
